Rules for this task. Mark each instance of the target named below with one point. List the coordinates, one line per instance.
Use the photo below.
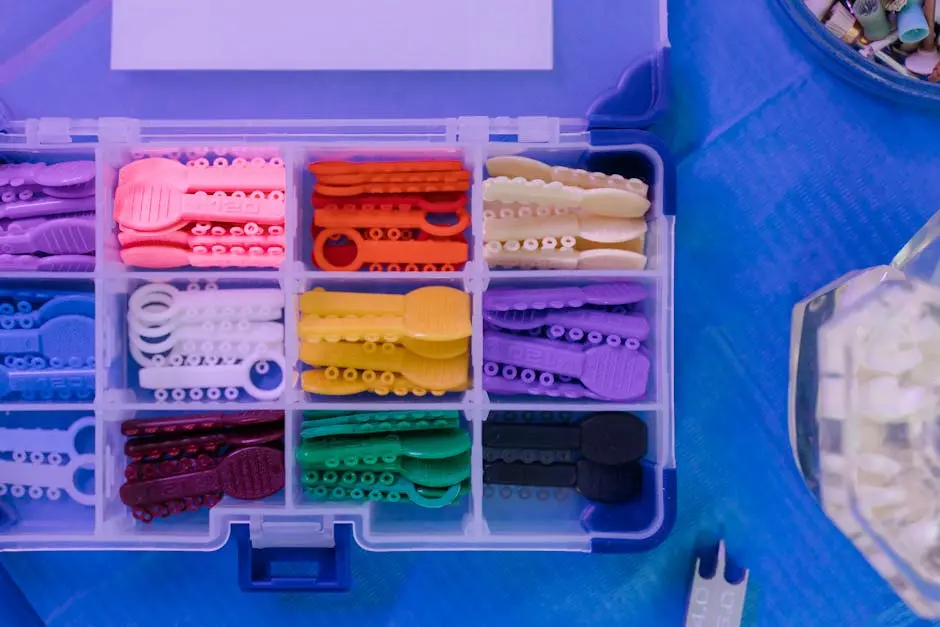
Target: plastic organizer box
(79, 474)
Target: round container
(847, 62)
(865, 413)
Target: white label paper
(332, 35)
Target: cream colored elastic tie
(516, 167)
(614, 203)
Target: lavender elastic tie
(46, 207)
(66, 174)
(621, 325)
(64, 236)
(54, 263)
(9, 193)
(613, 373)
(499, 385)
(506, 299)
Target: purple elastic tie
(57, 236)
(46, 207)
(507, 299)
(612, 373)
(576, 321)
(9, 193)
(67, 174)
(71, 191)
(53, 263)
(499, 385)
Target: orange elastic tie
(387, 254)
(329, 168)
(392, 177)
(376, 221)
(448, 202)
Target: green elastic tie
(318, 425)
(370, 450)
(432, 473)
(400, 490)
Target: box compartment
(127, 343)
(61, 506)
(45, 258)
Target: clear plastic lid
(610, 65)
(865, 413)
(887, 47)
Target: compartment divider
(102, 211)
(292, 424)
(477, 158)
(476, 396)
(378, 406)
(574, 276)
(40, 407)
(100, 463)
(105, 183)
(195, 275)
(665, 372)
(140, 406)
(101, 366)
(574, 406)
(292, 288)
(113, 519)
(104, 178)
(319, 276)
(294, 166)
(477, 278)
(477, 527)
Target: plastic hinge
(312, 531)
(325, 568)
(539, 129)
(119, 130)
(48, 131)
(473, 128)
(533, 129)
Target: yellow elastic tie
(438, 314)
(330, 382)
(437, 374)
